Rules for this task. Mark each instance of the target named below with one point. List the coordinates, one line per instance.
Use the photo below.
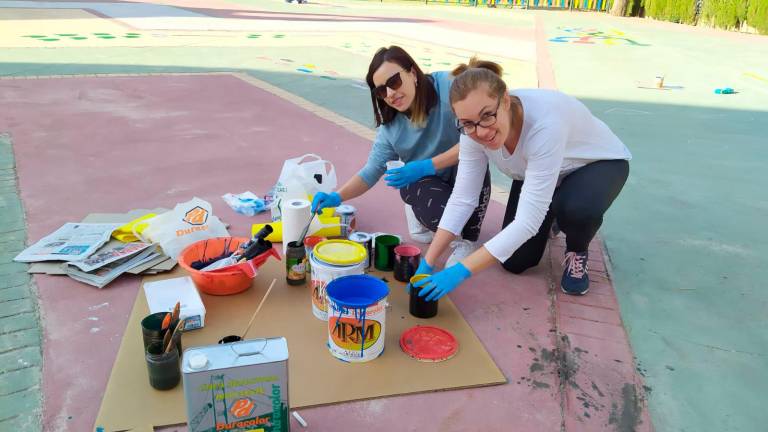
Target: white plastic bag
(302, 177)
(187, 223)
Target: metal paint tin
(407, 258)
(332, 259)
(309, 244)
(346, 214)
(384, 251)
(357, 311)
(239, 386)
(366, 240)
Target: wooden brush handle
(258, 308)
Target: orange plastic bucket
(231, 280)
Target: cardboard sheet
(316, 377)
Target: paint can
(418, 306)
(384, 251)
(309, 243)
(357, 317)
(366, 240)
(346, 214)
(332, 259)
(239, 386)
(295, 264)
(407, 258)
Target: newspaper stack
(86, 252)
(110, 261)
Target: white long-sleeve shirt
(559, 135)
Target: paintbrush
(175, 335)
(300, 241)
(258, 309)
(176, 312)
(166, 322)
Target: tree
(619, 7)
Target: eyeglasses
(486, 120)
(394, 82)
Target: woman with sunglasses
(566, 165)
(415, 124)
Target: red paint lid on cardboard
(429, 344)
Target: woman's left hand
(443, 282)
(411, 172)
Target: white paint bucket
(332, 259)
(357, 317)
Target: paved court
(125, 99)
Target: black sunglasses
(394, 82)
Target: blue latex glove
(412, 171)
(424, 268)
(443, 282)
(323, 200)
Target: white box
(163, 295)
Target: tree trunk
(619, 7)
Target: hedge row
(727, 14)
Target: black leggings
(578, 204)
(429, 196)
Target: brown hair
(423, 101)
(471, 76)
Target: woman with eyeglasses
(415, 124)
(566, 165)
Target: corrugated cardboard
(130, 403)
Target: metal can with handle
(346, 214)
(366, 240)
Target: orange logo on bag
(196, 216)
(347, 333)
(242, 408)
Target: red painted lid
(311, 241)
(428, 343)
(407, 250)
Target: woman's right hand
(323, 200)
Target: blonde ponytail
(476, 73)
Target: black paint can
(418, 306)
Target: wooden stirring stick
(258, 309)
(173, 337)
(176, 312)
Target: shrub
(728, 14)
(681, 11)
(757, 15)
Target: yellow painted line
(755, 76)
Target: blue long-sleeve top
(400, 139)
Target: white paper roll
(296, 213)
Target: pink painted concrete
(113, 144)
(603, 391)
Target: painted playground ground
(109, 106)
